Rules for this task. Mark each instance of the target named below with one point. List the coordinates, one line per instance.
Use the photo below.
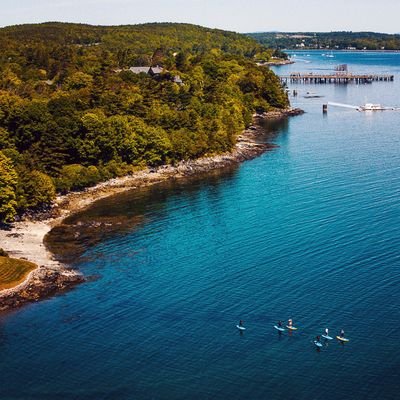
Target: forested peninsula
(81, 104)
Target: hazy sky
(236, 15)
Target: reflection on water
(275, 127)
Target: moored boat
(312, 95)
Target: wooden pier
(338, 78)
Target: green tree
(34, 189)
(6, 140)
(79, 80)
(8, 183)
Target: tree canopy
(72, 113)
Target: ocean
(309, 231)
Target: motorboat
(365, 107)
(372, 107)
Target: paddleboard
(342, 339)
(292, 328)
(279, 329)
(241, 328)
(327, 337)
(318, 344)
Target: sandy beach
(24, 239)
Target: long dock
(338, 78)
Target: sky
(234, 15)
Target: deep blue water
(310, 230)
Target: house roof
(138, 70)
(177, 79)
(157, 70)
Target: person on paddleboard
(290, 322)
(326, 332)
(280, 324)
(318, 339)
(342, 333)
(240, 323)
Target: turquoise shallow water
(309, 230)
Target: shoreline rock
(25, 239)
(276, 63)
(43, 282)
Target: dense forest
(73, 113)
(331, 40)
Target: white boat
(365, 107)
(312, 95)
(372, 107)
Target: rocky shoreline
(25, 238)
(43, 282)
(276, 63)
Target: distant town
(329, 40)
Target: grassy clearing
(13, 271)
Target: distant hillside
(127, 44)
(75, 108)
(331, 40)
